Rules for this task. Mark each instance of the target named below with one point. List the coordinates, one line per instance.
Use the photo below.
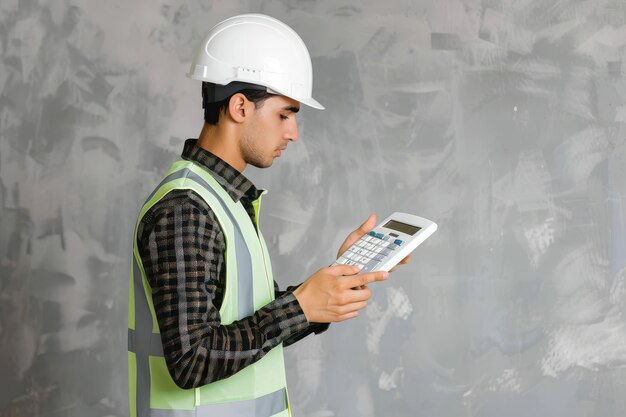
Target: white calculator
(388, 243)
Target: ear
(238, 107)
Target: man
(207, 323)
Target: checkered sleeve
(182, 250)
(313, 327)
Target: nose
(291, 130)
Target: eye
(283, 117)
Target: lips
(279, 150)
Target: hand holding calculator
(388, 243)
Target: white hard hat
(256, 49)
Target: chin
(263, 164)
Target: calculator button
(370, 266)
(379, 235)
(398, 242)
(342, 260)
(372, 233)
(392, 246)
(387, 238)
(379, 258)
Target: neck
(222, 141)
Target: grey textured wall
(503, 121)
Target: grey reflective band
(155, 412)
(156, 346)
(265, 406)
(143, 330)
(245, 296)
(173, 413)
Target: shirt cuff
(314, 327)
(292, 320)
(318, 328)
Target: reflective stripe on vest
(143, 343)
(245, 303)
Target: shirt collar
(233, 181)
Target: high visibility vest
(258, 390)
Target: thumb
(368, 224)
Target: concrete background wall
(503, 121)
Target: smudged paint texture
(504, 121)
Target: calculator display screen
(402, 227)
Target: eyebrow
(291, 108)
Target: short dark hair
(213, 110)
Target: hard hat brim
(311, 102)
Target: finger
(357, 234)
(406, 260)
(349, 308)
(362, 295)
(347, 316)
(364, 228)
(339, 270)
(367, 225)
(353, 295)
(364, 279)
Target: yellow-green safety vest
(260, 389)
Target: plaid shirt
(187, 298)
